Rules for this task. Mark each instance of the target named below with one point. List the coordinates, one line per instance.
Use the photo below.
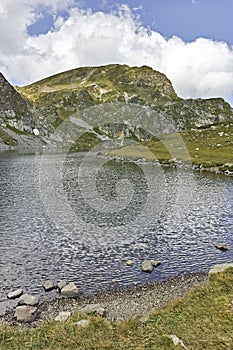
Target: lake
(80, 218)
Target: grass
(211, 146)
(203, 320)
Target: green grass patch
(7, 139)
(202, 320)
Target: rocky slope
(139, 100)
(18, 119)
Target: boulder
(15, 294)
(48, 286)
(61, 284)
(25, 313)
(70, 291)
(148, 265)
(27, 299)
(63, 316)
(129, 263)
(97, 309)
(220, 268)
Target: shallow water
(79, 219)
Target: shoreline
(171, 164)
(135, 302)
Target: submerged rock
(70, 291)
(25, 313)
(148, 265)
(27, 299)
(48, 286)
(222, 247)
(220, 268)
(15, 294)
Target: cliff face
(18, 118)
(46, 104)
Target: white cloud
(202, 68)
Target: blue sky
(187, 19)
(191, 41)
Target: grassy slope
(203, 320)
(210, 146)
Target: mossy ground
(202, 320)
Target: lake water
(80, 218)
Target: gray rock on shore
(27, 299)
(70, 291)
(63, 316)
(220, 268)
(48, 286)
(97, 309)
(25, 313)
(61, 284)
(15, 294)
(148, 265)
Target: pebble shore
(119, 304)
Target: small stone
(83, 323)
(63, 316)
(148, 265)
(129, 263)
(61, 284)
(220, 268)
(97, 309)
(155, 263)
(15, 294)
(222, 247)
(27, 299)
(25, 313)
(48, 286)
(70, 291)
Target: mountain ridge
(47, 103)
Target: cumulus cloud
(203, 68)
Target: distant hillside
(45, 104)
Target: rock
(61, 284)
(222, 247)
(70, 291)
(129, 263)
(27, 299)
(63, 316)
(48, 286)
(25, 313)
(97, 309)
(83, 323)
(15, 294)
(148, 265)
(220, 268)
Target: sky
(191, 41)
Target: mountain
(85, 98)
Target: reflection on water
(91, 250)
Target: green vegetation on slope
(210, 146)
(202, 320)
